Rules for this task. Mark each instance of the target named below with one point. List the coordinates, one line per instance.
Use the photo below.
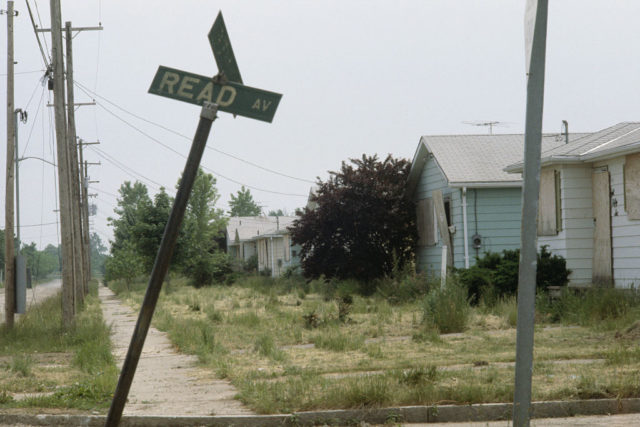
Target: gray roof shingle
(480, 159)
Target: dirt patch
(632, 333)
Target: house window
(425, 222)
(549, 203)
(447, 211)
(632, 186)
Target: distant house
(460, 179)
(266, 237)
(590, 205)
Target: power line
(33, 125)
(40, 21)
(129, 171)
(33, 23)
(184, 157)
(189, 139)
(25, 72)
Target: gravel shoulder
(166, 382)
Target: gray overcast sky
(357, 77)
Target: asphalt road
(35, 295)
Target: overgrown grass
(85, 374)
(288, 345)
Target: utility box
(21, 284)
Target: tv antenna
(489, 123)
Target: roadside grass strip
(44, 366)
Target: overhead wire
(184, 156)
(46, 60)
(189, 139)
(40, 21)
(33, 125)
(24, 72)
(129, 171)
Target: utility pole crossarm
(78, 29)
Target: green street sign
(231, 97)
(222, 51)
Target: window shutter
(547, 225)
(632, 186)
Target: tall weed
(447, 309)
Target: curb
(405, 414)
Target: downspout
(273, 266)
(464, 226)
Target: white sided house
(464, 199)
(589, 209)
(266, 237)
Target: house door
(602, 259)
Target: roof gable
(244, 228)
(475, 160)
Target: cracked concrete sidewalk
(166, 382)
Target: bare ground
(166, 382)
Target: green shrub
(477, 280)
(206, 269)
(496, 275)
(552, 269)
(447, 309)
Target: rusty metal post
(161, 264)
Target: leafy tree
(243, 204)
(363, 226)
(148, 229)
(124, 264)
(41, 263)
(279, 212)
(98, 253)
(202, 223)
(132, 199)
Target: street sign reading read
(222, 51)
(225, 92)
(231, 97)
(226, 89)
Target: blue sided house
(465, 199)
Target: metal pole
(161, 264)
(9, 245)
(68, 288)
(528, 239)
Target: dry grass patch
(288, 350)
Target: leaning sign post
(535, 48)
(224, 92)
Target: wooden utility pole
(79, 278)
(84, 179)
(9, 277)
(66, 228)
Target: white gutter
(485, 184)
(273, 271)
(464, 224)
